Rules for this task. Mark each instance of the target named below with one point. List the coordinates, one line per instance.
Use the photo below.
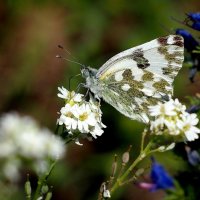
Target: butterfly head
(88, 72)
(91, 80)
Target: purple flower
(189, 42)
(194, 19)
(193, 109)
(194, 16)
(160, 179)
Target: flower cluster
(190, 43)
(171, 119)
(22, 140)
(79, 115)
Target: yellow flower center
(83, 117)
(71, 102)
(69, 114)
(186, 127)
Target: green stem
(57, 128)
(142, 142)
(121, 179)
(42, 181)
(72, 137)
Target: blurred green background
(92, 31)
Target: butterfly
(138, 77)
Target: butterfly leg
(79, 86)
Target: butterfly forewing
(141, 76)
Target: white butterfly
(138, 77)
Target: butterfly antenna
(72, 61)
(63, 48)
(66, 51)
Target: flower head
(171, 119)
(193, 21)
(21, 139)
(189, 41)
(79, 115)
(194, 16)
(65, 94)
(160, 179)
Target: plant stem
(142, 142)
(121, 179)
(43, 180)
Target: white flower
(171, 118)
(97, 131)
(11, 169)
(162, 109)
(55, 147)
(65, 94)
(41, 166)
(188, 126)
(67, 117)
(23, 139)
(80, 116)
(85, 117)
(178, 106)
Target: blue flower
(194, 18)
(193, 109)
(159, 177)
(189, 42)
(193, 156)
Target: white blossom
(65, 94)
(67, 117)
(188, 126)
(171, 118)
(79, 115)
(85, 118)
(162, 109)
(22, 139)
(11, 169)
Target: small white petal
(191, 136)
(78, 143)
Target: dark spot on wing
(127, 75)
(178, 41)
(162, 40)
(147, 76)
(138, 57)
(172, 54)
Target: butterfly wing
(141, 76)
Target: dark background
(92, 31)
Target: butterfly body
(138, 77)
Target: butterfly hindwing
(141, 76)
